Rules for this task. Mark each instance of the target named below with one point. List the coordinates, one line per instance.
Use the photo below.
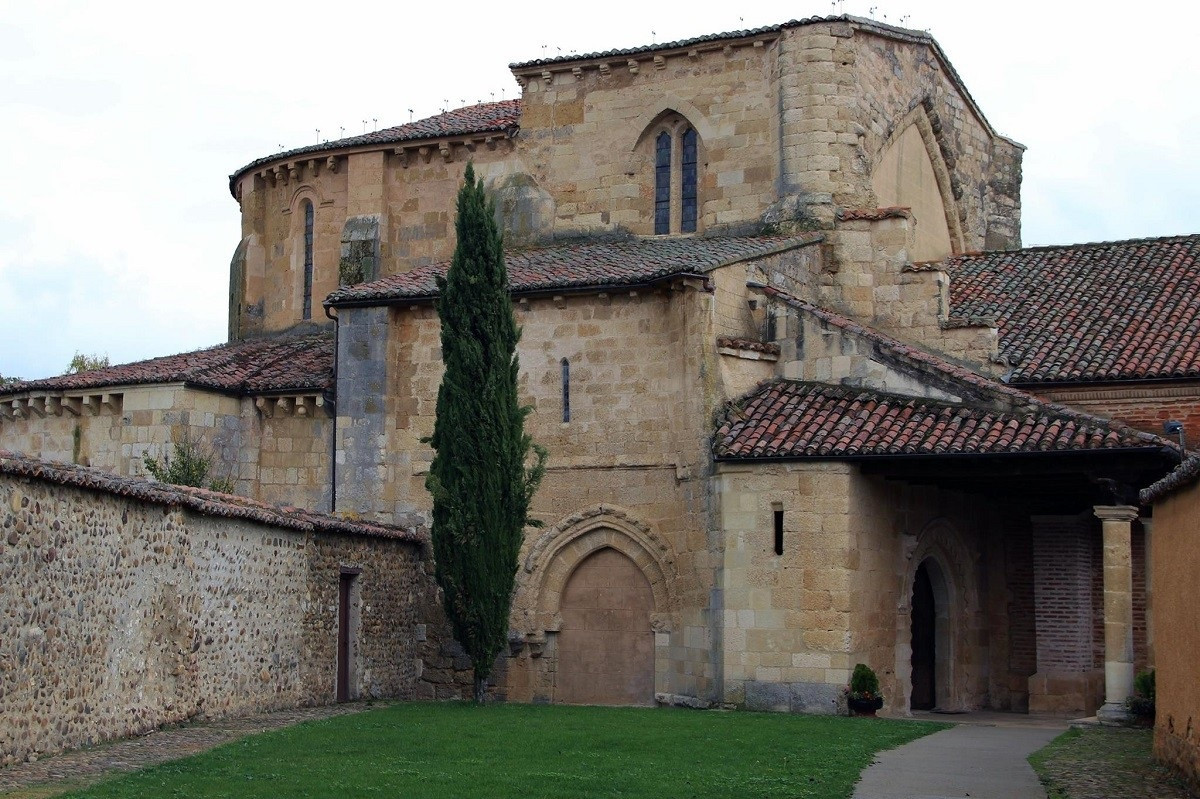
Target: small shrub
(863, 683)
(190, 466)
(1141, 704)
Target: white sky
(121, 121)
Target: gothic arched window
(676, 175)
(308, 259)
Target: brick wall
(1062, 554)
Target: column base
(1113, 713)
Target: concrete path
(975, 760)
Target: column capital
(1115, 513)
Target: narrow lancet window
(308, 259)
(662, 183)
(778, 514)
(688, 221)
(566, 390)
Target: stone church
(808, 403)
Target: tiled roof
(587, 264)
(209, 503)
(277, 364)
(1124, 310)
(1183, 475)
(481, 118)
(787, 419)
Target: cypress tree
(479, 479)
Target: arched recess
(672, 104)
(951, 568)
(559, 550)
(667, 162)
(302, 263)
(617, 541)
(909, 170)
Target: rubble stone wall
(117, 616)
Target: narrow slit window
(688, 220)
(566, 390)
(662, 183)
(778, 514)
(308, 258)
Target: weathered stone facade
(967, 577)
(794, 122)
(121, 614)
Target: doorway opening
(346, 633)
(924, 642)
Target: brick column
(1118, 610)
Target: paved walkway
(982, 757)
(72, 770)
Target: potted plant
(1141, 704)
(862, 695)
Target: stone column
(1118, 610)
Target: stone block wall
(281, 459)
(118, 615)
(1175, 561)
(589, 129)
(636, 439)
(796, 623)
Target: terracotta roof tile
(277, 364)
(209, 503)
(785, 419)
(790, 419)
(586, 264)
(482, 118)
(1124, 310)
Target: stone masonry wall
(796, 623)
(590, 135)
(643, 381)
(282, 459)
(117, 616)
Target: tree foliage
(481, 479)
(86, 363)
(191, 465)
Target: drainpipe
(330, 397)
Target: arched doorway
(924, 643)
(931, 639)
(606, 644)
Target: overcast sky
(120, 123)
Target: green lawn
(415, 750)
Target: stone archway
(601, 576)
(932, 645)
(605, 642)
(948, 627)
